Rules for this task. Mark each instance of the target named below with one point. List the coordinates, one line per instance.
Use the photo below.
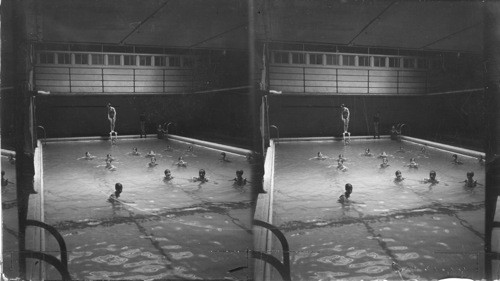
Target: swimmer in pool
(111, 118)
(385, 163)
(223, 157)
(113, 198)
(168, 175)
(423, 150)
(5, 181)
(432, 178)
(320, 156)
(413, 164)
(87, 156)
(239, 180)
(455, 160)
(399, 176)
(181, 162)
(341, 158)
(368, 153)
(110, 166)
(135, 152)
(401, 150)
(151, 153)
(201, 177)
(249, 157)
(190, 149)
(153, 162)
(344, 198)
(109, 158)
(470, 182)
(481, 160)
(341, 166)
(169, 148)
(12, 159)
(383, 155)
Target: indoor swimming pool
(388, 230)
(177, 229)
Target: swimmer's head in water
(109, 104)
(341, 156)
(385, 160)
(412, 160)
(153, 159)
(398, 173)
(223, 154)
(118, 187)
(432, 175)
(342, 105)
(3, 173)
(470, 174)
(239, 173)
(454, 156)
(135, 149)
(348, 190)
(87, 153)
(367, 150)
(201, 173)
(167, 173)
(180, 158)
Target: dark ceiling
(172, 23)
(432, 25)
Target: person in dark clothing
(142, 120)
(376, 122)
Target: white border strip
(106, 138)
(6, 152)
(213, 145)
(326, 138)
(264, 212)
(464, 151)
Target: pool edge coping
(464, 151)
(263, 236)
(212, 145)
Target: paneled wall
(307, 79)
(296, 71)
(67, 77)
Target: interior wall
(450, 118)
(205, 115)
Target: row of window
(113, 59)
(281, 57)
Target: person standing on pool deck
(376, 122)
(111, 117)
(142, 121)
(345, 116)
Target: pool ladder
(44, 134)
(277, 132)
(168, 124)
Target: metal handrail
(60, 265)
(277, 131)
(282, 267)
(44, 134)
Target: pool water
(159, 230)
(427, 231)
